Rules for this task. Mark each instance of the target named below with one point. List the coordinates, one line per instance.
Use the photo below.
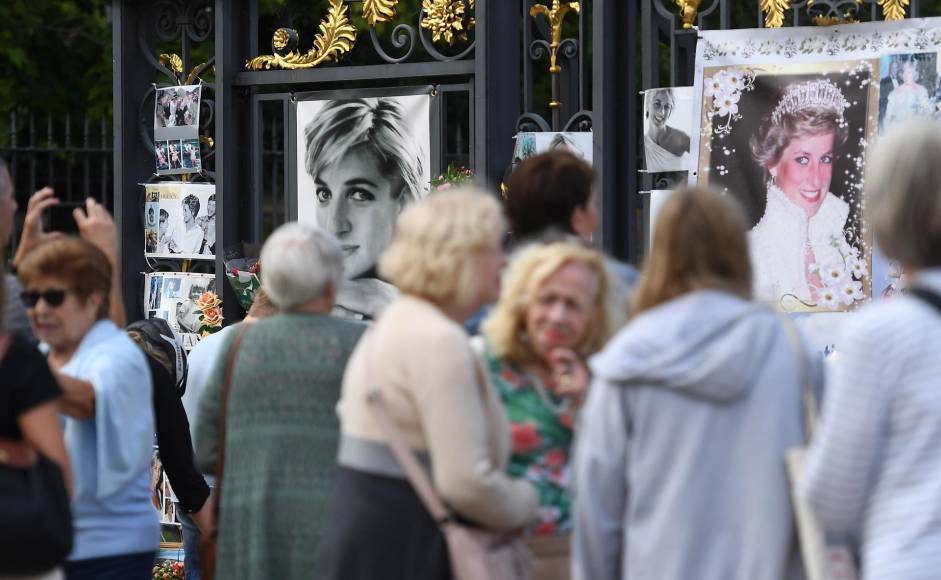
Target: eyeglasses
(54, 298)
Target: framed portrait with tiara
(786, 119)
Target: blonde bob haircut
(433, 254)
(903, 194)
(505, 328)
(700, 243)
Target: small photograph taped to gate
(177, 107)
(668, 121)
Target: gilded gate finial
(688, 11)
(555, 16)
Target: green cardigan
(280, 445)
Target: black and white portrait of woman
(668, 115)
(361, 162)
(795, 161)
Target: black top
(25, 383)
(174, 441)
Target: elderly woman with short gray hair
(281, 432)
(874, 467)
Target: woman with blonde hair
(679, 470)
(445, 258)
(555, 311)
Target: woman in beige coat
(446, 259)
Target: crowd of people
(602, 423)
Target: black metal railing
(71, 154)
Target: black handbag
(35, 520)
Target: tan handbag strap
(223, 412)
(414, 472)
(808, 398)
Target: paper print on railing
(360, 162)
(176, 130)
(787, 119)
(788, 142)
(180, 220)
(668, 124)
(528, 144)
(174, 297)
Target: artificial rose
(207, 300)
(212, 317)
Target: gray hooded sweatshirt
(679, 466)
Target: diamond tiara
(819, 94)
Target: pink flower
(444, 187)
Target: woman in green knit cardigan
(281, 427)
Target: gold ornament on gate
(336, 38)
(688, 11)
(555, 16)
(445, 20)
(893, 9)
(376, 11)
(774, 12)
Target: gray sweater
(679, 462)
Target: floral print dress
(541, 426)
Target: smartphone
(60, 218)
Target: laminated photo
(176, 130)
(176, 112)
(360, 162)
(172, 296)
(181, 222)
(530, 144)
(668, 124)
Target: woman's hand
(33, 234)
(569, 374)
(96, 226)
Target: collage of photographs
(180, 220)
(176, 130)
(173, 297)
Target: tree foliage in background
(55, 56)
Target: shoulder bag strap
(414, 472)
(928, 296)
(808, 398)
(406, 457)
(223, 412)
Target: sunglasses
(54, 298)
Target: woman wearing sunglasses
(106, 396)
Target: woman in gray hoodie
(679, 465)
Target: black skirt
(378, 529)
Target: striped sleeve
(844, 455)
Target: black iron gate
(496, 82)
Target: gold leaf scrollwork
(376, 11)
(336, 38)
(893, 9)
(688, 11)
(774, 12)
(444, 19)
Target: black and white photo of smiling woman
(365, 160)
(667, 119)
